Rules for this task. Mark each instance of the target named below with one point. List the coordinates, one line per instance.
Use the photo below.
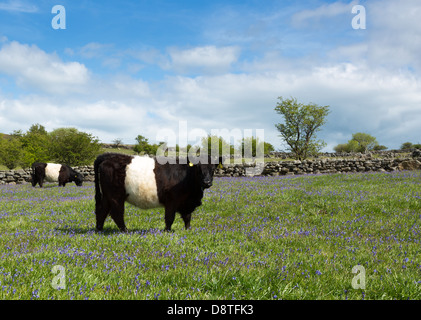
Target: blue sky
(125, 68)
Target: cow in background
(53, 172)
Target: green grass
(119, 150)
(253, 238)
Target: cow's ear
(191, 164)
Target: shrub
(72, 147)
(10, 152)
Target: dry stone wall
(382, 154)
(269, 168)
(324, 166)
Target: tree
(37, 129)
(35, 145)
(216, 146)
(188, 147)
(142, 144)
(10, 151)
(301, 124)
(406, 146)
(182, 151)
(144, 147)
(365, 141)
(410, 146)
(379, 148)
(351, 146)
(72, 147)
(117, 142)
(341, 148)
(360, 142)
(254, 144)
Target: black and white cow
(146, 183)
(53, 172)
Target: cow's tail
(98, 193)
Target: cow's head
(77, 178)
(205, 167)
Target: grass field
(253, 238)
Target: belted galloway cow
(53, 172)
(146, 183)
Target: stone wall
(297, 167)
(270, 168)
(380, 154)
(15, 176)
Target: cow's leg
(186, 218)
(61, 180)
(33, 180)
(41, 182)
(117, 213)
(169, 218)
(102, 210)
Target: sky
(176, 70)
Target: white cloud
(325, 11)
(202, 59)
(33, 68)
(94, 50)
(107, 119)
(207, 59)
(18, 6)
(394, 33)
(130, 88)
(151, 56)
(392, 39)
